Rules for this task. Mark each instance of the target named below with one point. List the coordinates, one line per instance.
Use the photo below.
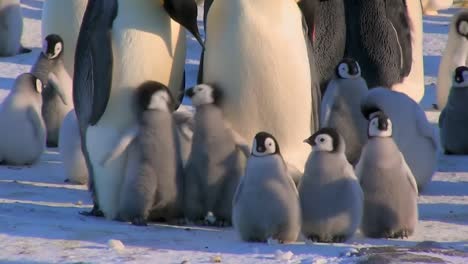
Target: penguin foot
(448, 152)
(339, 239)
(67, 180)
(401, 234)
(222, 223)
(435, 106)
(179, 221)
(314, 238)
(139, 221)
(51, 144)
(24, 50)
(94, 212)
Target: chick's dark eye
(322, 140)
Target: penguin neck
(266, 167)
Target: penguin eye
(322, 139)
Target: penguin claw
(314, 238)
(67, 180)
(339, 239)
(139, 221)
(94, 212)
(222, 223)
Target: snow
(39, 220)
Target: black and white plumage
(266, 185)
(390, 189)
(330, 195)
(454, 116)
(379, 37)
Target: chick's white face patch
(374, 130)
(159, 101)
(267, 148)
(203, 94)
(323, 142)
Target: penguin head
(203, 94)
(460, 78)
(152, 95)
(348, 69)
(325, 139)
(184, 12)
(52, 47)
(264, 144)
(462, 25)
(379, 125)
(29, 81)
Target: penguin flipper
(309, 9)
(409, 175)
(184, 123)
(327, 103)
(37, 123)
(441, 118)
(92, 79)
(424, 127)
(294, 178)
(123, 143)
(53, 82)
(397, 14)
(238, 191)
(239, 140)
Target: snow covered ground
(39, 220)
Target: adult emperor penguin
(64, 18)
(386, 54)
(23, 131)
(70, 150)
(11, 27)
(330, 195)
(454, 55)
(122, 44)
(454, 116)
(270, 82)
(57, 95)
(216, 162)
(266, 203)
(341, 107)
(412, 132)
(327, 32)
(153, 183)
(390, 191)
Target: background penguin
(124, 30)
(330, 195)
(390, 191)
(70, 150)
(23, 131)
(341, 107)
(454, 55)
(378, 36)
(266, 204)
(11, 27)
(153, 184)
(57, 95)
(412, 132)
(453, 135)
(64, 18)
(430, 7)
(216, 163)
(327, 32)
(262, 63)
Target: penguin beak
(353, 70)
(308, 141)
(190, 93)
(383, 125)
(184, 12)
(260, 149)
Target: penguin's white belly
(260, 62)
(147, 45)
(413, 84)
(64, 19)
(454, 55)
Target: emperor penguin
(57, 95)
(266, 203)
(122, 44)
(390, 191)
(327, 32)
(330, 195)
(23, 130)
(452, 119)
(11, 27)
(454, 55)
(412, 132)
(153, 185)
(341, 107)
(64, 18)
(216, 162)
(70, 150)
(386, 54)
(268, 49)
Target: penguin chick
(23, 130)
(330, 195)
(71, 152)
(390, 190)
(216, 162)
(153, 183)
(453, 135)
(266, 203)
(57, 101)
(341, 107)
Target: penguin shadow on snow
(446, 188)
(6, 83)
(33, 3)
(31, 9)
(444, 212)
(452, 163)
(431, 65)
